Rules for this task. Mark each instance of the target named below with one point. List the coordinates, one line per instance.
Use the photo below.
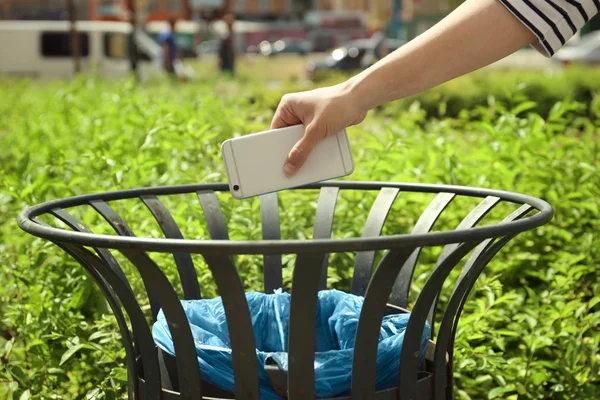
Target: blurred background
(310, 35)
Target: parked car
(354, 56)
(285, 45)
(585, 51)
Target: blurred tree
(74, 36)
(302, 6)
(131, 8)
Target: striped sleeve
(552, 21)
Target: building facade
(148, 10)
(410, 8)
(151, 9)
(107, 10)
(40, 9)
(262, 7)
(378, 11)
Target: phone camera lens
(236, 187)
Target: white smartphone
(254, 163)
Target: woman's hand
(323, 112)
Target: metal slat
(441, 365)
(239, 323)
(105, 254)
(237, 313)
(515, 215)
(465, 283)
(130, 352)
(188, 369)
(309, 276)
(217, 228)
(121, 227)
(364, 364)
(185, 265)
(271, 230)
(401, 288)
(363, 265)
(141, 332)
(302, 326)
(472, 219)
(409, 365)
(112, 281)
(324, 224)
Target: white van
(42, 49)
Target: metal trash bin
(153, 374)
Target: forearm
(476, 34)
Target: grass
(529, 331)
(259, 68)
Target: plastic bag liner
(337, 321)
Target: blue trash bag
(337, 321)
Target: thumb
(300, 152)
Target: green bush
(503, 86)
(530, 329)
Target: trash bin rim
(26, 221)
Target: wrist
(364, 90)
(357, 94)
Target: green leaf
(35, 343)
(538, 377)
(71, 352)
(55, 371)
(593, 301)
(498, 391)
(483, 378)
(99, 334)
(93, 394)
(506, 332)
(17, 374)
(26, 395)
(81, 294)
(525, 106)
(558, 388)
(8, 346)
(120, 374)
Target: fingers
(289, 113)
(284, 115)
(300, 152)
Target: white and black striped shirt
(553, 21)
